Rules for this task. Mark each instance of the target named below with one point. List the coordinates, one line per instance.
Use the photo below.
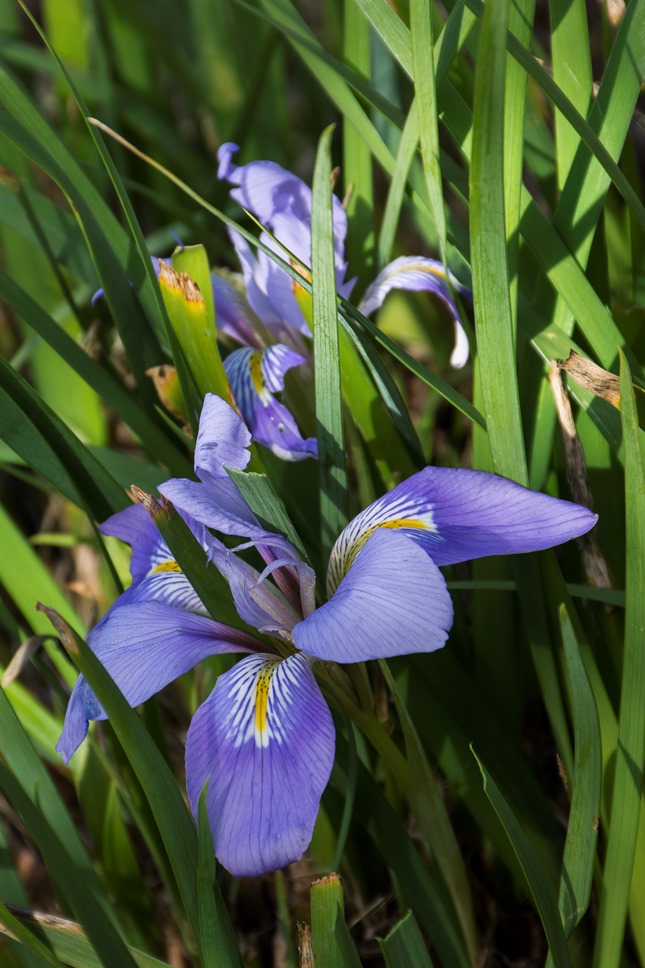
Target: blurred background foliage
(501, 803)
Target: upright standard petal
(144, 647)
(418, 273)
(222, 441)
(266, 189)
(265, 740)
(215, 503)
(456, 514)
(253, 374)
(392, 601)
(233, 314)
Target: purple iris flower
(264, 738)
(282, 202)
(255, 375)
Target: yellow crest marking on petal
(166, 566)
(262, 688)
(257, 377)
(344, 553)
(394, 523)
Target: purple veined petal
(288, 296)
(135, 526)
(258, 602)
(295, 579)
(456, 514)
(418, 273)
(392, 601)
(281, 289)
(222, 440)
(83, 706)
(214, 502)
(270, 422)
(277, 430)
(266, 189)
(234, 316)
(168, 585)
(255, 282)
(276, 361)
(265, 741)
(144, 647)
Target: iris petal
(252, 375)
(144, 647)
(392, 601)
(419, 273)
(222, 440)
(135, 526)
(265, 737)
(232, 312)
(456, 514)
(266, 189)
(215, 503)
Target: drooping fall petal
(265, 741)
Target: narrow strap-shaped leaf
(571, 65)
(331, 443)
(100, 929)
(217, 940)
(366, 378)
(357, 157)
(304, 42)
(16, 929)
(159, 785)
(426, 103)
(630, 752)
(112, 250)
(407, 150)
(68, 942)
(92, 486)
(536, 880)
(96, 376)
(520, 23)
(432, 817)
(582, 832)
(491, 294)
(431, 379)
(400, 854)
(404, 945)
(260, 496)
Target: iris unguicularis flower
(264, 738)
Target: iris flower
(282, 203)
(264, 738)
(277, 307)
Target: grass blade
(630, 752)
(67, 941)
(404, 945)
(159, 785)
(491, 296)
(217, 939)
(432, 817)
(331, 444)
(535, 877)
(71, 879)
(582, 831)
(427, 116)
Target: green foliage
(469, 132)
